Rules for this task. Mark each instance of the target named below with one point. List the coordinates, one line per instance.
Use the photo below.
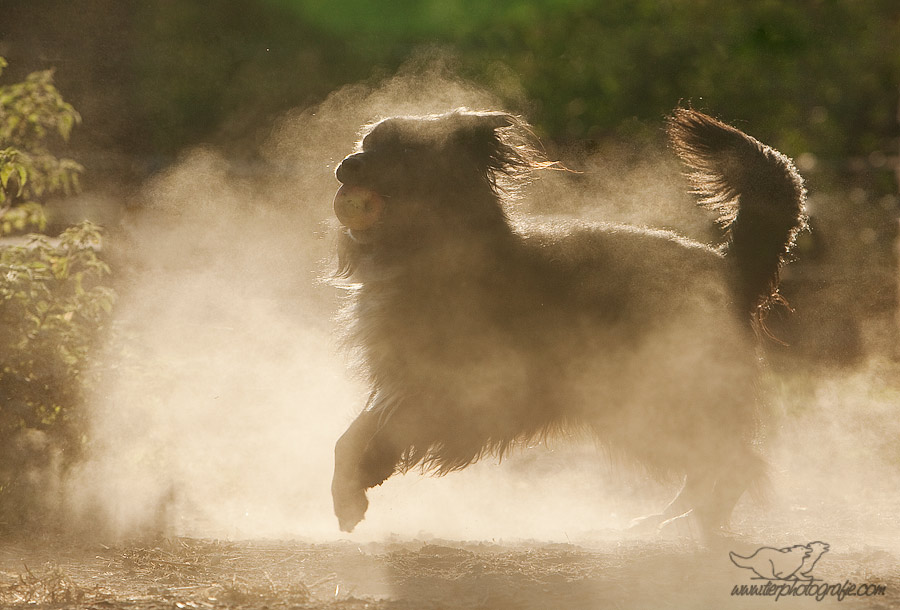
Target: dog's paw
(349, 506)
(646, 524)
(661, 523)
(679, 525)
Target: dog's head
(416, 177)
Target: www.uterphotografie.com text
(819, 591)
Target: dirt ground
(628, 573)
(835, 482)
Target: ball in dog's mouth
(357, 208)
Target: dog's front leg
(364, 457)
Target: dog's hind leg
(677, 511)
(708, 497)
(743, 471)
(364, 456)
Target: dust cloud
(226, 389)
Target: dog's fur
(476, 336)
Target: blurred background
(816, 79)
(208, 135)
(812, 77)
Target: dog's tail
(739, 561)
(758, 195)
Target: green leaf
(23, 178)
(66, 121)
(5, 172)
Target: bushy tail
(741, 562)
(757, 193)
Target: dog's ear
(500, 145)
(491, 120)
(480, 135)
(480, 127)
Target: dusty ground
(190, 573)
(834, 479)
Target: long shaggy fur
(757, 193)
(475, 336)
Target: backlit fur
(476, 336)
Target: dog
(774, 564)
(475, 335)
(788, 563)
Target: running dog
(476, 335)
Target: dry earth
(629, 573)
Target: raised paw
(350, 506)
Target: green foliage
(54, 305)
(52, 302)
(32, 113)
(809, 76)
(227, 66)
